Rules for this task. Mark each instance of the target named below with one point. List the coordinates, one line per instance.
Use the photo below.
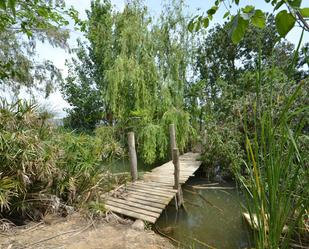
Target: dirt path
(78, 233)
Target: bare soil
(75, 232)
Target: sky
(58, 56)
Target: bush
(222, 148)
(78, 164)
(42, 167)
(28, 160)
(110, 146)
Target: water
(220, 229)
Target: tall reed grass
(277, 184)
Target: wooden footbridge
(145, 199)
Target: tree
(136, 70)
(22, 24)
(220, 61)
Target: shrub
(78, 164)
(110, 146)
(42, 167)
(222, 148)
(28, 160)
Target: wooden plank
(132, 214)
(148, 198)
(134, 204)
(134, 209)
(146, 202)
(170, 175)
(170, 182)
(154, 197)
(164, 177)
(151, 192)
(158, 184)
(156, 187)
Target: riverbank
(76, 232)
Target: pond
(216, 222)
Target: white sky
(56, 103)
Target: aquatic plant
(277, 179)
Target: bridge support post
(172, 138)
(179, 196)
(132, 156)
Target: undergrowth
(43, 168)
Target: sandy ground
(78, 233)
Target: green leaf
(42, 12)
(12, 4)
(284, 22)
(295, 3)
(212, 10)
(237, 2)
(239, 27)
(2, 4)
(304, 12)
(248, 9)
(197, 26)
(226, 14)
(258, 19)
(205, 22)
(278, 5)
(191, 25)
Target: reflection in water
(123, 165)
(220, 225)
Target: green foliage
(20, 30)
(277, 180)
(132, 74)
(181, 120)
(28, 161)
(239, 26)
(222, 148)
(153, 143)
(109, 143)
(40, 164)
(79, 167)
(285, 20)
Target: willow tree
(132, 78)
(138, 65)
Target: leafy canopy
(239, 22)
(22, 24)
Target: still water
(217, 222)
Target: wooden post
(177, 186)
(132, 155)
(172, 138)
(176, 167)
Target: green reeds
(278, 181)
